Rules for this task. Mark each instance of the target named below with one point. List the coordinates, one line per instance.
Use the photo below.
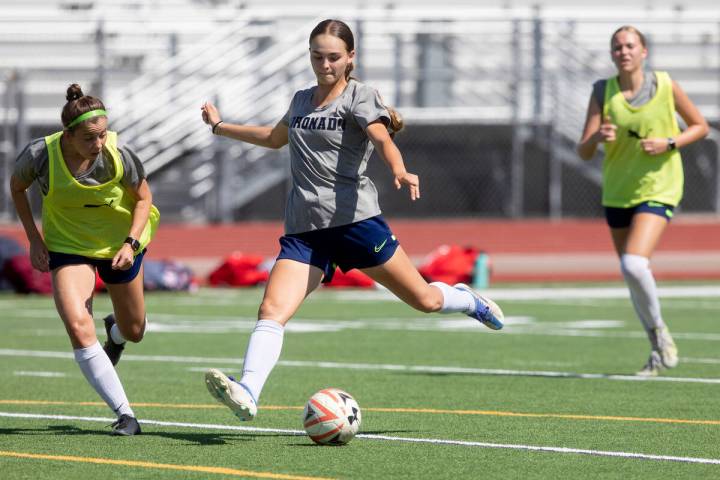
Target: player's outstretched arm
(264, 136)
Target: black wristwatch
(133, 243)
(671, 144)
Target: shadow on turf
(57, 430)
(195, 438)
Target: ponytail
(348, 70)
(396, 121)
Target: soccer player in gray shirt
(332, 218)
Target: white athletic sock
(643, 290)
(116, 336)
(102, 376)
(454, 299)
(262, 354)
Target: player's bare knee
(270, 309)
(80, 328)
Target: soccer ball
(331, 417)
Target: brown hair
(340, 29)
(631, 29)
(77, 104)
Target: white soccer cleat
(667, 348)
(486, 311)
(653, 366)
(231, 393)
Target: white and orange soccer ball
(331, 417)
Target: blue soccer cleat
(486, 311)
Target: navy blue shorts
(622, 217)
(364, 244)
(103, 266)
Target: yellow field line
(568, 416)
(494, 413)
(165, 466)
(198, 406)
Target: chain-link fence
(466, 170)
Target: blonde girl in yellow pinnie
(633, 114)
(97, 216)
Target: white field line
(705, 361)
(300, 327)
(432, 441)
(232, 297)
(375, 367)
(517, 325)
(666, 303)
(25, 373)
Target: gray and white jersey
(329, 151)
(32, 164)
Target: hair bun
(74, 92)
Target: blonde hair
(631, 29)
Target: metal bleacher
(100, 44)
(155, 61)
(52, 43)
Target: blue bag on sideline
(167, 275)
